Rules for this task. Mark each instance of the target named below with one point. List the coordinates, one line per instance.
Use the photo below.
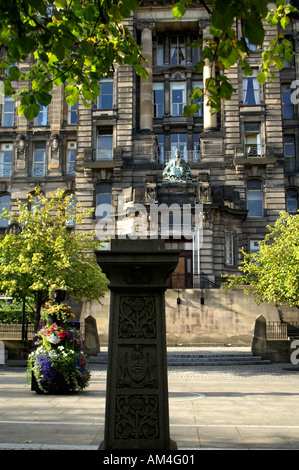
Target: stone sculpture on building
(177, 170)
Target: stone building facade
(243, 161)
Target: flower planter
(58, 365)
(61, 387)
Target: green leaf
(59, 51)
(225, 48)
(178, 10)
(26, 45)
(284, 21)
(43, 98)
(191, 109)
(32, 111)
(141, 71)
(253, 30)
(262, 77)
(14, 73)
(223, 15)
(8, 90)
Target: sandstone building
(243, 163)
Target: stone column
(209, 120)
(146, 84)
(137, 415)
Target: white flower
(53, 339)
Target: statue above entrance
(177, 170)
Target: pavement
(242, 407)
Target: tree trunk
(39, 304)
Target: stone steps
(198, 359)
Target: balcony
(37, 171)
(254, 150)
(190, 156)
(6, 171)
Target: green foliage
(273, 272)
(73, 42)
(46, 256)
(226, 48)
(11, 311)
(76, 42)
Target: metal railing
(190, 156)
(276, 330)
(15, 331)
(254, 150)
(189, 280)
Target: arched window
(255, 198)
(4, 204)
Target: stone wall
(225, 317)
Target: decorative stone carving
(137, 367)
(177, 170)
(137, 417)
(137, 317)
(55, 144)
(21, 146)
(203, 188)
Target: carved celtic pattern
(137, 366)
(137, 417)
(137, 317)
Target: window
(254, 246)
(289, 152)
(160, 139)
(255, 198)
(177, 50)
(196, 147)
(178, 98)
(292, 201)
(4, 204)
(229, 248)
(251, 94)
(8, 112)
(287, 106)
(252, 133)
(179, 142)
(200, 100)
(71, 209)
(250, 47)
(105, 147)
(35, 205)
(105, 99)
(6, 160)
(158, 100)
(159, 51)
(71, 158)
(103, 200)
(42, 118)
(196, 51)
(39, 159)
(72, 114)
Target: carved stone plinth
(137, 391)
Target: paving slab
(253, 407)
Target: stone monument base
(137, 414)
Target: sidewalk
(225, 408)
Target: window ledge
(104, 113)
(252, 108)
